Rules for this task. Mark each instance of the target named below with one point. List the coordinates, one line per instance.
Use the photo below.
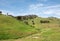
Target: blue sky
(43, 8)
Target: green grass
(10, 28)
(46, 34)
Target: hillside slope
(48, 31)
(12, 28)
(34, 31)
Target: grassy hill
(12, 28)
(48, 31)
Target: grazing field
(14, 30)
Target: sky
(42, 8)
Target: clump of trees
(20, 17)
(0, 12)
(26, 17)
(52, 18)
(33, 22)
(44, 21)
(32, 16)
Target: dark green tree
(0, 12)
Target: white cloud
(41, 9)
(52, 10)
(47, 12)
(35, 6)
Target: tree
(0, 12)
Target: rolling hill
(35, 30)
(11, 28)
